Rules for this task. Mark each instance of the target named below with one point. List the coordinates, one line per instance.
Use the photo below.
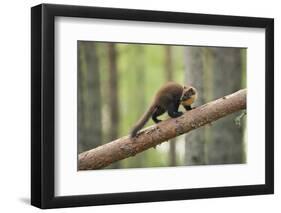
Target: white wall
(15, 105)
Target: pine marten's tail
(142, 121)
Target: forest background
(117, 82)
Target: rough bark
(125, 147)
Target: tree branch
(125, 147)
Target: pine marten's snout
(185, 97)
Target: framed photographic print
(139, 106)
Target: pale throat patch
(189, 101)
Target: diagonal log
(125, 147)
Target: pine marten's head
(189, 95)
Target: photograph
(136, 105)
(124, 88)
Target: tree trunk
(194, 72)
(226, 135)
(169, 77)
(125, 147)
(81, 104)
(89, 97)
(244, 85)
(113, 94)
(113, 87)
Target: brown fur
(168, 98)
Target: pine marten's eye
(191, 92)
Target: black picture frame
(43, 102)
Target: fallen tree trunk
(125, 147)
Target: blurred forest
(117, 82)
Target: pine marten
(168, 98)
